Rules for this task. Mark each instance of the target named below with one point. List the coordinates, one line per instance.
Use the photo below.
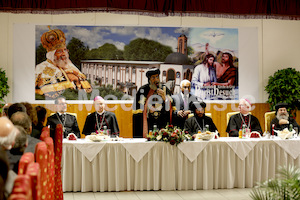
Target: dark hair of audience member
(22, 119)
(16, 107)
(31, 112)
(41, 114)
(3, 172)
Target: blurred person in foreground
(97, 120)
(8, 134)
(199, 121)
(23, 120)
(282, 119)
(15, 153)
(68, 121)
(183, 102)
(243, 117)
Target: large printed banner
(80, 62)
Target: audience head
(7, 133)
(244, 106)
(99, 104)
(185, 86)
(31, 112)
(281, 111)
(61, 104)
(41, 113)
(199, 108)
(22, 119)
(21, 141)
(5, 109)
(16, 107)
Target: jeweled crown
(53, 39)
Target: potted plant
(4, 88)
(284, 86)
(286, 185)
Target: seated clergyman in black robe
(199, 121)
(244, 117)
(96, 121)
(282, 119)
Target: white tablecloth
(137, 165)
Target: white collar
(101, 112)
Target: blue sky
(96, 36)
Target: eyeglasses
(186, 87)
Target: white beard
(63, 63)
(282, 116)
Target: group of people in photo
(21, 124)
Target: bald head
(6, 126)
(8, 133)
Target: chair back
(33, 171)
(45, 134)
(41, 157)
(229, 114)
(51, 170)
(25, 160)
(58, 193)
(268, 118)
(22, 187)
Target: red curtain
(289, 9)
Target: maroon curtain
(285, 9)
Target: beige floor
(232, 194)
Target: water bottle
(104, 130)
(244, 131)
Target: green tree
(40, 54)
(106, 52)
(108, 90)
(148, 50)
(77, 51)
(4, 87)
(284, 86)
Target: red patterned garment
(51, 171)
(41, 157)
(33, 171)
(25, 160)
(58, 193)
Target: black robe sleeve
(89, 125)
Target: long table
(134, 164)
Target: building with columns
(129, 75)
